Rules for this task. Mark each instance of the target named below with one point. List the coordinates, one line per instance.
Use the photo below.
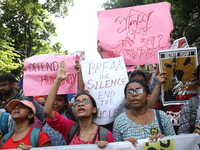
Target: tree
(7, 56)
(185, 14)
(30, 26)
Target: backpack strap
(6, 137)
(102, 134)
(34, 137)
(70, 115)
(73, 130)
(159, 121)
(4, 122)
(193, 104)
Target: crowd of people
(52, 121)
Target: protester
(190, 115)
(61, 106)
(154, 89)
(23, 113)
(6, 123)
(40, 99)
(138, 74)
(7, 87)
(85, 110)
(140, 122)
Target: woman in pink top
(85, 111)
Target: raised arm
(159, 79)
(80, 77)
(61, 75)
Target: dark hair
(7, 77)
(140, 82)
(32, 119)
(149, 75)
(66, 100)
(92, 100)
(137, 72)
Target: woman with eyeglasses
(140, 122)
(86, 131)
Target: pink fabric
(64, 125)
(61, 125)
(37, 123)
(76, 140)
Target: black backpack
(70, 115)
(102, 133)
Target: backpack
(33, 138)
(194, 105)
(4, 122)
(70, 115)
(102, 133)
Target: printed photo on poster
(179, 65)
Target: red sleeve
(43, 138)
(60, 124)
(110, 137)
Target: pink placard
(136, 33)
(41, 70)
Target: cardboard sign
(179, 65)
(41, 70)
(105, 79)
(180, 43)
(136, 33)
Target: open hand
(62, 74)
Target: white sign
(179, 142)
(105, 79)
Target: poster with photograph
(179, 65)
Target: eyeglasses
(137, 91)
(84, 102)
(4, 85)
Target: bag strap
(102, 134)
(194, 104)
(6, 137)
(70, 115)
(4, 122)
(159, 121)
(72, 132)
(34, 137)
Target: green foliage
(58, 8)
(7, 56)
(30, 28)
(185, 14)
(113, 4)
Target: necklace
(82, 133)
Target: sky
(78, 31)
